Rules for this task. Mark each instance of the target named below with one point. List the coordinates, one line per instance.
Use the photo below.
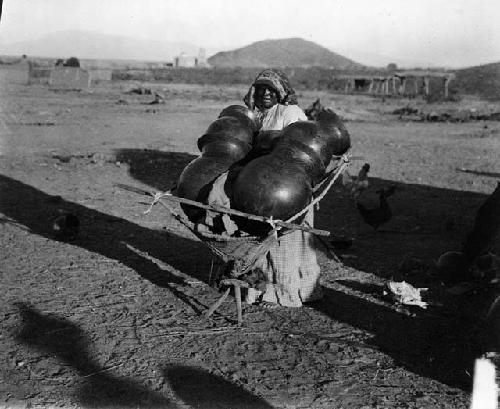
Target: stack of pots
(280, 184)
(227, 140)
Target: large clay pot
(271, 185)
(226, 141)
(302, 155)
(228, 126)
(242, 113)
(308, 133)
(266, 140)
(195, 182)
(222, 146)
(331, 126)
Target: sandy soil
(113, 318)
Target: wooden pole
(222, 209)
(427, 85)
(446, 86)
(237, 295)
(402, 87)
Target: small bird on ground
(66, 226)
(357, 184)
(380, 215)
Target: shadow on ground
(65, 341)
(200, 390)
(157, 169)
(439, 346)
(134, 246)
(426, 221)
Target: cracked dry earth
(114, 318)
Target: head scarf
(276, 79)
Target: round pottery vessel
(247, 116)
(307, 133)
(303, 155)
(228, 126)
(221, 146)
(196, 181)
(271, 186)
(330, 126)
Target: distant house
(184, 60)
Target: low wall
(69, 78)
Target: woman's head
(270, 88)
(265, 96)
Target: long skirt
(292, 270)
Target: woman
(273, 100)
(291, 267)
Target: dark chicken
(380, 215)
(357, 184)
(486, 228)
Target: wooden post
(237, 294)
(402, 86)
(416, 85)
(370, 88)
(427, 85)
(446, 86)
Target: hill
(482, 80)
(290, 52)
(83, 44)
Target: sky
(450, 33)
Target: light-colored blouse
(279, 116)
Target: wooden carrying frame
(242, 253)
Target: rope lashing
(272, 222)
(344, 164)
(156, 198)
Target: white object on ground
(406, 294)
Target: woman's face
(265, 96)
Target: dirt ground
(114, 317)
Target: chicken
(486, 228)
(380, 215)
(357, 184)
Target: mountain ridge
(288, 52)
